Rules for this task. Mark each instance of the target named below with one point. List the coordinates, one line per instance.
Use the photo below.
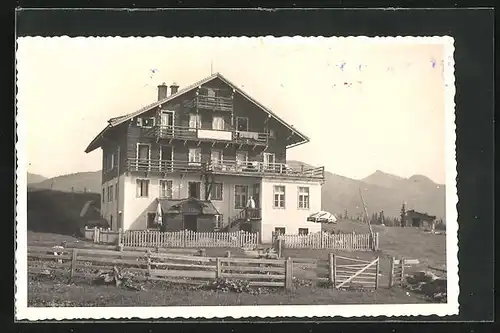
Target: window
(151, 221)
(110, 193)
(139, 122)
(216, 191)
(242, 124)
(194, 156)
(109, 162)
(218, 221)
(218, 123)
(303, 197)
(148, 122)
(216, 156)
(194, 189)
(303, 231)
(166, 189)
(103, 195)
(210, 92)
(279, 196)
(194, 121)
(142, 188)
(240, 196)
(279, 231)
(241, 157)
(269, 160)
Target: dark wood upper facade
(209, 129)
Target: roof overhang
(97, 141)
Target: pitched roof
(121, 119)
(423, 216)
(176, 205)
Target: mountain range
(381, 191)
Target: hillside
(57, 211)
(381, 191)
(34, 178)
(80, 182)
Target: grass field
(397, 242)
(43, 291)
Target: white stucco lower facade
(291, 217)
(136, 209)
(133, 210)
(111, 207)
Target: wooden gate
(355, 272)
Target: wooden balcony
(248, 137)
(260, 169)
(147, 165)
(206, 134)
(211, 103)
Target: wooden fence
(148, 238)
(172, 267)
(102, 236)
(323, 240)
(397, 275)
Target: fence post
(120, 237)
(73, 263)
(280, 248)
(331, 267)
(402, 262)
(377, 272)
(218, 269)
(334, 271)
(148, 254)
(95, 234)
(288, 273)
(391, 275)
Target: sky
(365, 106)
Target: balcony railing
(264, 169)
(211, 103)
(189, 133)
(148, 165)
(251, 137)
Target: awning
(188, 206)
(322, 216)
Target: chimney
(162, 91)
(174, 88)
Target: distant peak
(420, 179)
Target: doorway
(194, 189)
(191, 222)
(166, 157)
(256, 195)
(167, 123)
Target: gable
(217, 81)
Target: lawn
(43, 291)
(398, 242)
